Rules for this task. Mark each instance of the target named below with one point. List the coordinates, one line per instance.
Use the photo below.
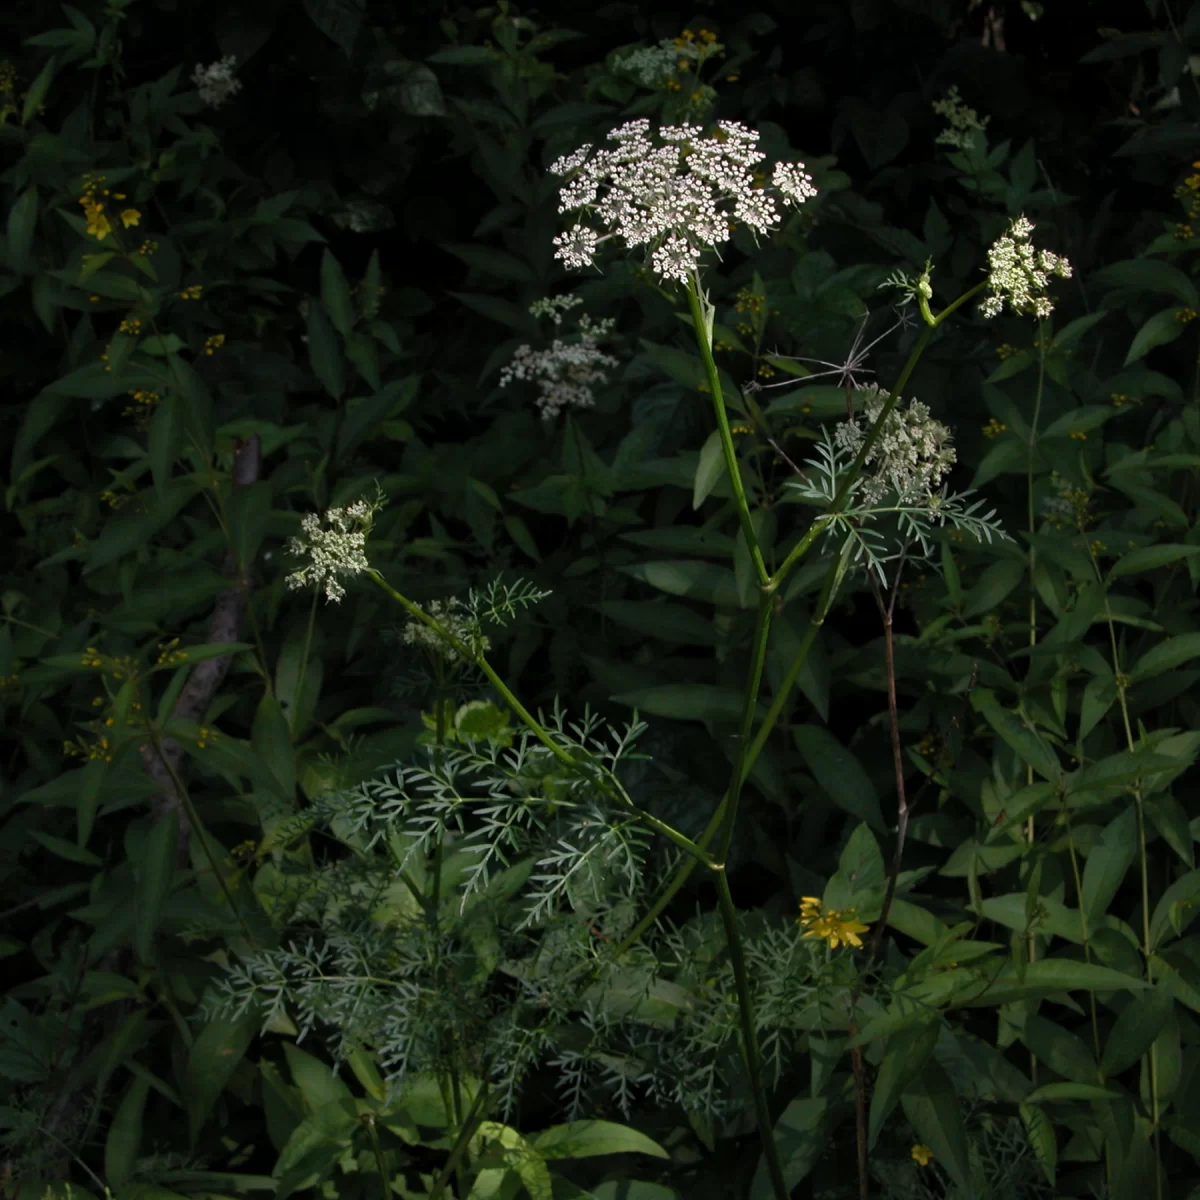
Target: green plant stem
(1031, 450)
(775, 582)
(182, 792)
(762, 629)
(368, 1119)
(609, 786)
(766, 1128)
(700, 324)
(312, 616)
(1121, 683)
(459, 1149)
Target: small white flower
(1019, 274)
(676, 198)
(216, 82)
(337, 548)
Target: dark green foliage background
(442, 120)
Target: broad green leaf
(586, 1139)
(1148, 558)
(271, 740)
(338, 20)
(709, 468)
(1134, 1031)
(1172, 652)
(629, 1189)
(315, 1148)
(298, 698)
(1072, 331)
(1177, 907)
(991, 588)
(22, 220)
(1029, 748)
(801, 1136)
(839, 773)
(518, 1157)
(64, 849)
(318, 1084)
(1099, 695)
(504, 312)
(1050, 1093)
(1050, 975)
(1040, 1130)
(686, 701)
(249, 515)
(211, 1062)
(1150, 275)
(161, 346)
(693, 579)
(1079, 420)
(166, 439)
(335, 294)
(930, 1104)
(323, 354)
(904, 1058)
(861, 878)
(1062, 1051)
(363, 416)
(35, 94)
(519, 532)
(1107, 862)
(674, 623)
(371, 289)
(1167, 815)
(1014, 364)
(197, 403)
(491, 261)
(125, 1135)
(155, 874)
(1160, 329)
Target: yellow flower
(731, 79)
(98, 225)
(130, 216)
(836, 928)
(922, 1154)
(213, 343)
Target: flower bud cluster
(911, 456)
(216, 81)
(464, 627)
(566, 370)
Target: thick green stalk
(762, 630)
(766, 1128)
(615, 792)
(731, 464)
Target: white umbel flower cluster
(1020, 274)
(911, 456)
(676, 198)
(464, 627)
(337, 548)
(565, 372)
(216, 81)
